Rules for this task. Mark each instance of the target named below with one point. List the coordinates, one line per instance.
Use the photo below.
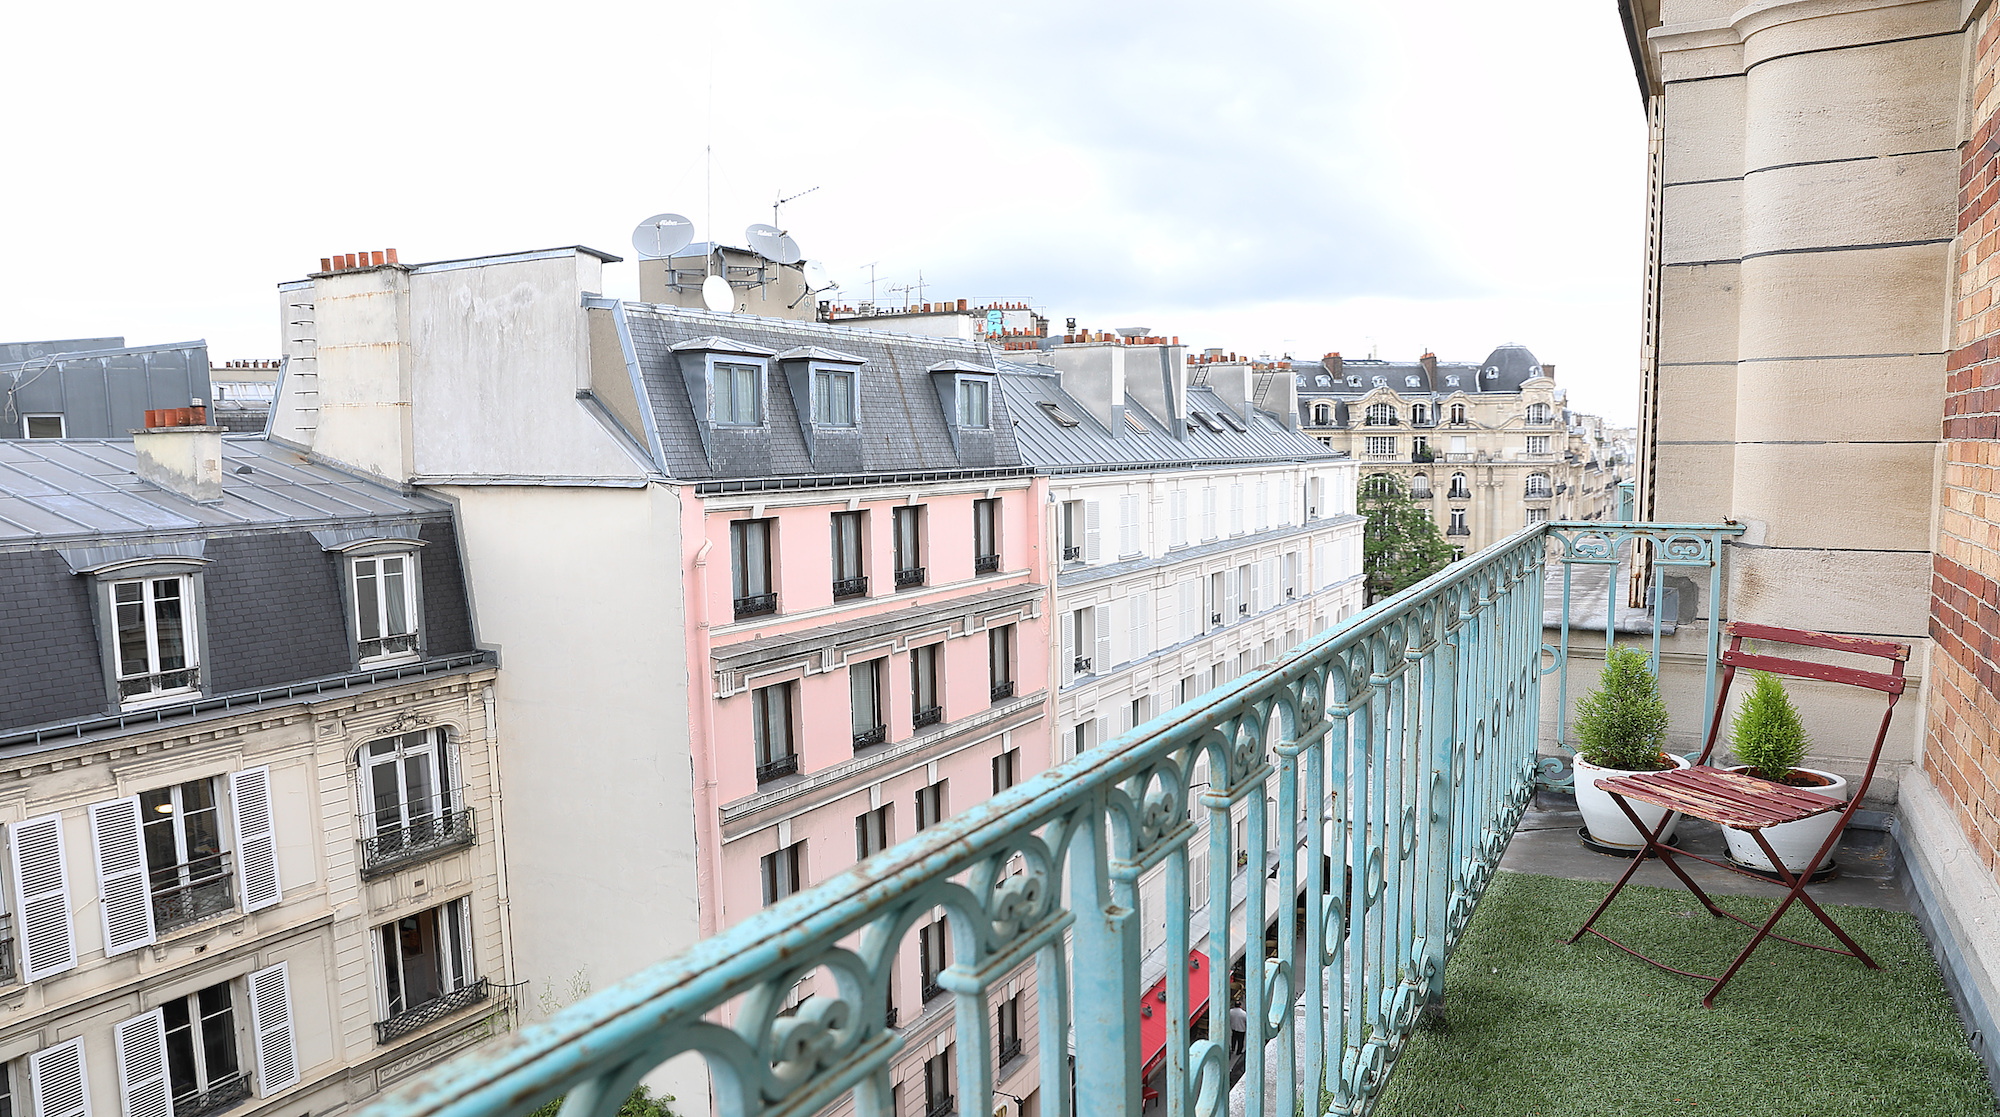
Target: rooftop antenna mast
(870, 265)
(782, 200)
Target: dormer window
(736, 393)
(1413, 382)
(975, 400)
(385, 613)
(155, 646)
(833, 397)
(1381, 381)
(1451, 381)
(1354, 381)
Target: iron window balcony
(1389, 422)
(8, 974)
(1538, 494)
(943, 1108)
(889, 1017)
(1003, 691)
(1458, 531)
(1072, 554)
(785, 765)
(1215, 618)
(1420, 494)
(1459, 494)
(1010, 1050)
(160, 682)
(757, 604)
(1082, 665)
(1243, 607)
(985, 564)
(914, 576)
(850, 587)
(432, 1011)
(203, 894)
(932, 989)
(401, 644)
(928, 715)
(393, 847)
(869, 737)
(220, 1096)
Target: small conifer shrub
(1623, 723)
(1767, 732)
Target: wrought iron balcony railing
(430, 1012)
(393, 846)
(850, 587)
(985, 564)
(1011, 1049)
(1003, 691)
(1072, 554)
(1402, 744)
(909, 576)
(1459, 494)
(926, 715)
(7, 971)
(190, 892)
(942, 1107)
(1081, 665)
(400, 644)
(778, 766)
(1458, 529)
(159, 682)
(218, 1097)
(756, 605)
(867, 737)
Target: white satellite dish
(660, 236)
(770, 242)
(716, 295)
(788, 251)
(816, 278)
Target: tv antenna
(870, 265)
(782, 200)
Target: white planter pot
(1794, 842)
(1608, 825)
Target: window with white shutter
(1190, 610)
(41, 898)
(122, 893)
(1177, 512)
(59, 1081)
(271, 1027)
(1128, 524)
(1067, 660)
(1236, 509)
(142, 1065)
(1263, 505)
(1102, 628)
(256, 838)
(1142, 624)
(1093, 530)
(1208, 511)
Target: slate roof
(85, 488)
(900, 423)
(1048, 444)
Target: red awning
(1153, 1016)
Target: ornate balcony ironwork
(943, 1107)
(7, 971)
(159, 682)
(1404, 739)
(869, 737)
(392, 847)
(1458, 529)
(778, 766)
(219, 1096)
(191, 892)
(926, 715)
(1010, 1049)
(430, 1012)
(932, 990)
(757, 604)
(1072, 554)
(1003, 691)
(1458, 494)
(909, 576)
(985, 564)
(850, 587)
(1082, 665)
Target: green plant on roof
(1623, 723)
(1767, 732)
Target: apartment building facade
(1485, 448)
(248, 744)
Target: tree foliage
(1623, 723)
(1768, 734)
(1400, 546)
(642, 1103)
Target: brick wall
(1962, 739)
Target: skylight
(1133, 421)
(1062, 418)
(1230, 418)
(1205, 420)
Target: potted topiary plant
(1770, 743)
(1621, 730)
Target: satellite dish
(788, 251)
(661, 235)
(816, 278)
(763, 239)
(716, 295)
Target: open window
(385, 607)
(413, 805)
(426, 969)
(154, 647)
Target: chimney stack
(176, 451)
(1331, 363)
(1430, 362)
(1548, 370)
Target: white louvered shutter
(60, 1083)
(122, 894)
(1208, 512)
(1236, 509)
(1067, 662)
(271, 1025)
(1102, 630)
(1231, 579)
(256, 838)
(1263, 505)
(1093, 530)
(142, 1065)
(41, 898)
(1142, 625)
(1177, 516)
(1101, 729)
(1190, 610)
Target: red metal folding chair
(1751, 804)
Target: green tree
(1768, 734)
(1622, 724)
(1400, 546)
(642, 1103)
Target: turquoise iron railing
(1404, 743)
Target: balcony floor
(1533, 1026)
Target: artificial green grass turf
(1536, 1028)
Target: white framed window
(1420, 414)
(1538, 414)
(1458, 412)
(155, 645)
(975, 402)
(771, 729)
(385, 607)
(1459, 489)
(1128, 524)
(1381, 445)
(1236, 508)
(1381, 415)
(1538, 444)
(186, 873)
(833, 401)
(1177, 518)
(204, 1067)
(784, 872)
(1458, 522)
(736, 393)
(44, 426)
(1538, 485)
(1538, 515)
(425, 958)
(411, 796)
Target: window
(930, 805)
(1219, 612)
(42, 426)
(1077, 640)
(1538, 485)
(1129, 528)
(750, 568)
(985, 536)
(1538, 414)
(1177, 523)
(833, 397)
(784, 872)
(186, 876)
(426, 961)
(1419, 414)
(1420, 486)
(939, 1099)
(1072, 530)
(1459, 491)
(736, 395)
(871, 832)
(1322, 414)
(850, 579)
(909, 546)
(974, 400)
(155, 645)
(1138, 712)
(1538, 515)
(1263, 506)
(1236, 509)
(1420, 446)
(1006, 770)
(864, 689)
(1457, 523)
(407, 786)
(1458, 412)
(1000, 661)
(1380, 445)
(385, 612)
(926, 696)
(1538, 444)
(1007, 1029)
(771, 726)
(931, 955)
(1381, 415)
(202, 1061)
(1208, 512)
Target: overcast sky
(1264, 177)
